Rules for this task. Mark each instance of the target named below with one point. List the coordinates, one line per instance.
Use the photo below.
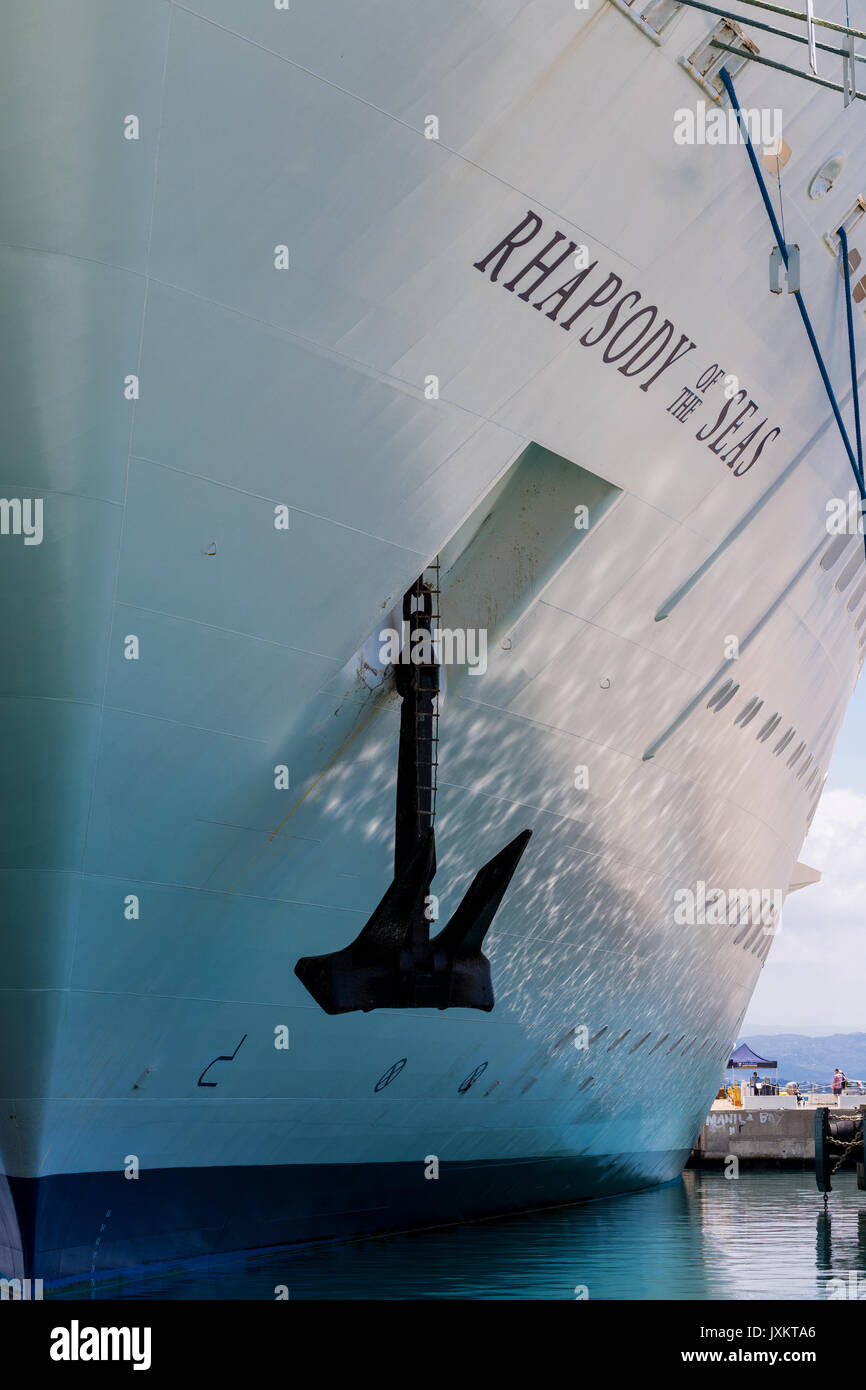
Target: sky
(814, 980)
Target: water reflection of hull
(160, 881)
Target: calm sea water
(763, 1236)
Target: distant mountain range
(802, 1058)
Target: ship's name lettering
(631, 336)
(727, 428)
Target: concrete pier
(763, 1135)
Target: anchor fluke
(470, 922)
(459, 943)
(362, 975)
(392, 963)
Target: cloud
(837, 846)
(814, 972)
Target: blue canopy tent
(743, 1057)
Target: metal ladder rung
(428, 592)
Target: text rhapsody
(631, 336)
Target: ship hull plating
(262, 367)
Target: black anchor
(393, 963)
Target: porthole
(853, 567)
(675, 1046)
(662, 1039)
(860, 621)
(616, 1042)
(805, 768)
(857, 595)
(745, 928)
(722, 696)
(784, 740)
(387, 1077)
(742, 936)
(797, 754)
(723, 690)
(471, 1079)
(638, 1044)
(834, 550)
(748, 712)
(770, 727)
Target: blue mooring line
(857, 468)
(843, 239)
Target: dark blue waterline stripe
(79, 1226)
(237, 1258)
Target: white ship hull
(159, 888)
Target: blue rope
(843, 238)
(807, 323)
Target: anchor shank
(418, 684)
(393, 963)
